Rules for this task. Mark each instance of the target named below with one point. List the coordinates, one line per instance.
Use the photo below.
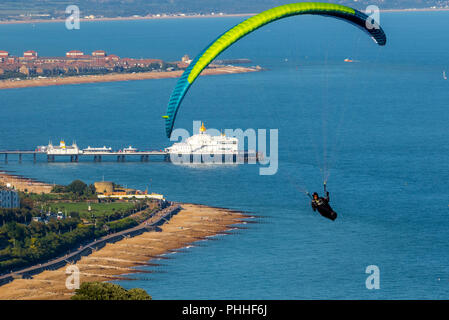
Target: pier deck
(74, 157)
(97, 156)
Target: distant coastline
(114, 77)
(132, 18)
(190, 16)
(415, 10)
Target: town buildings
(9, 199)
(75, 62)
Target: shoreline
(22, 183)
(115, 77)
(117, 261)
(230, 15)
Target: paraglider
(322, 205)
(206, 56)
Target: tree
(92, 189)
(26, 203)
(77, 187)
(138, 294)
(108, 291)
(58, 189)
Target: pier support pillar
(34, 157)
(6, 158)
(20, 158)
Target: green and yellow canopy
(234, 34)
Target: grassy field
(98, 209)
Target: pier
(144, 156)
(176, 155)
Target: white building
(203, 147)
(129, 149)
(9, 199)
(74, 54)
(103, 149)
(204, 143)
(30, 54)
(99, 53)
(62, 149)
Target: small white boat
(444, 75)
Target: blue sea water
(378, 126)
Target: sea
(376, 129)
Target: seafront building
(62, 149)
(203, 143)
(9, 199)
(107, 190)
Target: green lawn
(98, 209)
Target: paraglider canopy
(231, 36)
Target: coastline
(114, 77)
(33, 21)
(193, 223)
